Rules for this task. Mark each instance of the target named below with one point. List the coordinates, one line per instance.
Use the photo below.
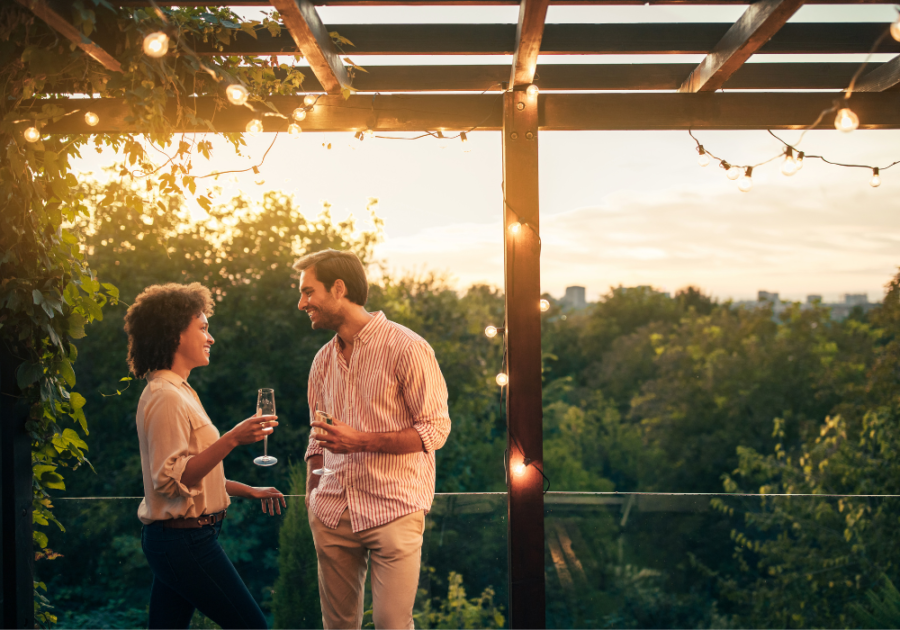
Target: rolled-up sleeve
(313, 396)
(168, 428)
(425, 394)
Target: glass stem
(266, 446)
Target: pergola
(497, 97)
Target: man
(382, 385)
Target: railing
(611, 560)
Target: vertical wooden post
(16, 547)
(523, 343)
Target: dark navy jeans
(191, 570)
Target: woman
(185, 490)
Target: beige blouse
(172, 427)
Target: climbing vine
(48, 292)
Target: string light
(310, 100)
(32, 134)
(519, 469)
(731, 172)
(745, 183)
(789, 166)
(299, 114)
(369, 133)
(156, 44)
(236, 94)
(846, 120)
(491, 331)
(895, 29)
(799, 160)
(545, 306)
(91, 118)
(703, 160)
(254, 127)
(294, 130)
(532, 90)
(515, 227)
(875, 182)
(502, 379)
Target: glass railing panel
(701, 561)
(101, 578)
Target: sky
(617, 208)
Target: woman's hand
(272, 500)
(252, 429)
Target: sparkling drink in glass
(327, 418)
(265, 406)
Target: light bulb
(519, 469)
(515, 227)
(255, 126)
(237, 94)
(91, 118)
(502, 379)
(895, 29)
(309, 99)
(789, 166)
(156, 44)
(745, 183)
(799, 160)
(369, 133)
(545, 306)
(846, 120)
(32, 134)
(733, 173)
(299, 114)
(490, 332)
(703, 160)
(532, 90)
(294, 130)
(875, 182)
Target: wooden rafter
(61, 25)
(262, 3)
(881, 78)
(560, 112)
(314, 43)
(529, 32)
(752, 31)
(826, 38)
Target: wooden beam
(16, 544)
(314, 43)
(61, 25)
(405, 3)
(415, 112)
(656, 76)
(881, 78)
(529, 31)
(569, 39)
(524, 406)
(752, 31)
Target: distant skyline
(629, 208)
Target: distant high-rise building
(767, 296)
(853, 299)
(813, 299)
(575, 297)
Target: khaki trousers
(395, 549)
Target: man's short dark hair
(157, 318)
(332, 265)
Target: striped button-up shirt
(392, 382)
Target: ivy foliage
(48, 291)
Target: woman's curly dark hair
(157, 318)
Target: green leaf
(53, 480)
(40, 539)
(38, 297)
(29, 373)
(67, 372)
(111, 289)
(76, 326)
(204, 202)
(73, 438)
(77, 401)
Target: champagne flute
(322, 416)
(265, 406)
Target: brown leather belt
(194, 523)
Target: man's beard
(326, 321)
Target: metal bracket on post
(523, 338)
(16, 546)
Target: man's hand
(272, 500)
(312, 480)
(342, 438)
